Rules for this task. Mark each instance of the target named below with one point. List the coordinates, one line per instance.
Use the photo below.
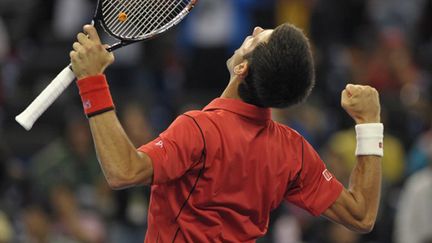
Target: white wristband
(370, 139)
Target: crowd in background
(51, 186)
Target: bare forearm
(365, 180)
(357, 207)
(365, 187)
(122, 165)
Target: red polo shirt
(250, 165)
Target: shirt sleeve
(175, 151)
(316, 188)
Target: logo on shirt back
(159, 144)
(87, 104)
(327, 175)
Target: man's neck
(231, 91)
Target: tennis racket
(128, 21)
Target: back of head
(281, 71)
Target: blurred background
(51, 187)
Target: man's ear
(242, 69)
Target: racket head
(137, 20)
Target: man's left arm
(121, 163)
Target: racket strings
(122, 27)
(152, 17)
(135, 19)
(167, 12)
(147, 22)
(111, 16)
(168, 15)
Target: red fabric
(172, 154)
(95, 94)
(251, 167)
(316, 188)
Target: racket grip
(39, 105)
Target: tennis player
(216, 174)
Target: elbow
(118, 181)
(125, 180)
(129, 173)
(117, 184)
(365, 228)
(115, 179)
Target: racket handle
(39, 105)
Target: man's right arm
(357, 207)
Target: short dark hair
(281, 71)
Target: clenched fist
(361, 103)
(89, 57)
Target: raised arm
(122, 164)
(357, 207)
